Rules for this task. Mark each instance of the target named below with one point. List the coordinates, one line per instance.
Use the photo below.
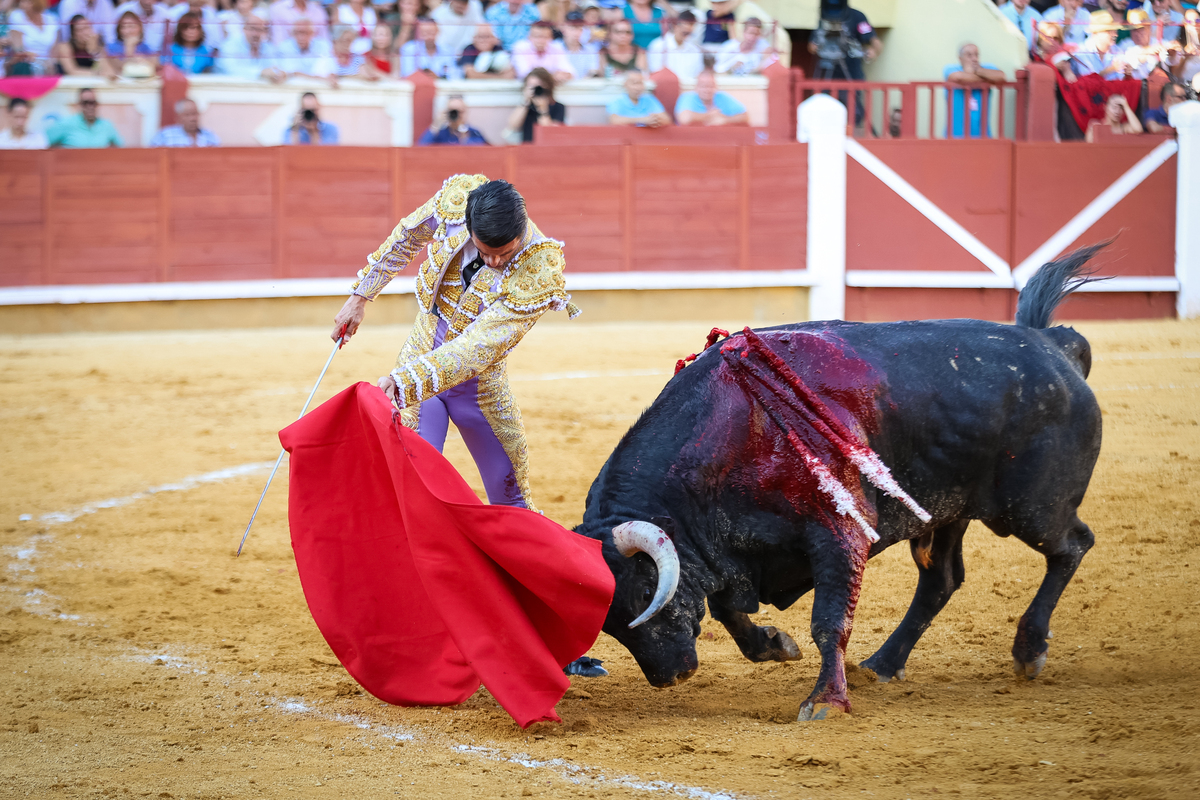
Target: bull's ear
(667, 524)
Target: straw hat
(1137, 18)
(1103, 21)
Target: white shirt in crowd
(455, 32)
(30, 141)
(36, 41)
(154, 24)
(1072, 34)
(317, 61)
(236, 60)
(100, 13)
(685, 60)
(731, 59)
(346, 16)
(525, 58)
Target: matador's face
(497, 257)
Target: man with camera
(308, 127)
(843, 42)
(451, 127)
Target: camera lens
(452, 115)
(309, 115)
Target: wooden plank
(163, 234)
(223, 208)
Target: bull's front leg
(838, 560)
(757, 642)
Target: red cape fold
(422, 591)
(1088, 94)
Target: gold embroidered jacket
(485, 321)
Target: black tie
(470, 269)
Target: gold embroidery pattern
(396, 252)
(535, 282)
(451, 199)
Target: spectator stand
(247, 114)
(132, 106)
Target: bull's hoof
(883, 673)
(1030, 669)
(782, 646)
(811, 712)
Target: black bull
(977, 421)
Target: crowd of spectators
(385, 39)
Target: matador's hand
(388, 384)
(349, 318)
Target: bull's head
(657, 627)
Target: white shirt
(102, 15)
(525, 58)
(455, 32)
(235, 59)
(315, 62)
(345, 16)
(685, 60)
(36, 41)
(731, 59)
(1072, 34)
(30, 141)
(154, 24)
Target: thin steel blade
(278, 461)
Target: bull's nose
(678, 679)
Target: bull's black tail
(1051, 285)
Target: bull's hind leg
(1063, 554)
(940, 573)
(757, 643)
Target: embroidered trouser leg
(485, 413)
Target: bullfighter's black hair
(496, 213)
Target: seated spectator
(206, 14)
(636, 106)
(485, 58)
(251, 56)
(748, 56)
(1137, 56)
(188, 132)
(621, 55)
(83, 52)
(361, 18)
(1189, 66)
(308, 127)
(286, 13)
(1116, 9)
(969, 72)
(646, 19)
(719, 20)
(538, 108)
(232, 22)
(17, 135)
(676, 51)
(130, 56)
(32, 32)
(188, 52)
(344, 62)
(706, 106)
(594, 30)
(304, 55)
(1156, 119)
(1095, 56)
(457, 21)
(451, 126)
(729, 17)
(1073, 18)
(540, 50)
(383, 55)
(1118, 116)
(584, 58)
(154, 18)
(406, 22)
(423, 54)
(1051, 50)
(511, 20)
(100, 13)
(84, 129)
(1169, 18)
(1025, 17)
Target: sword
(279, 460)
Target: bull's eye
(647, 594)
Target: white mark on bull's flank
(1010, 366)
(954, 364)
(57, 517)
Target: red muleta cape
(421, 590)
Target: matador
(488, 276)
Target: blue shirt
(973, 100)
(1024, 21)
(189, 60)
(327, 131)
(646, 105)
(511, 28)
(176, 136)
(645, 32)
(414, 57)
(725, 103)
(74, 131)
(446, 136)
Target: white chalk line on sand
(58, 517)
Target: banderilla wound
(843, 501)
(817, 414)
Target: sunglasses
(89, 102)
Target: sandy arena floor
(140, 659)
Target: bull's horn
(631, 537)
